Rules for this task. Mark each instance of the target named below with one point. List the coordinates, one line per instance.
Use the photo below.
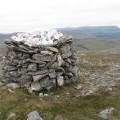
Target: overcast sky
(30, 15)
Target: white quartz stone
(38, 38)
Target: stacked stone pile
(36, 65)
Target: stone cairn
(40, 60)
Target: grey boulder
(34, 115)
(106, 114)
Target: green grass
(69, 106)
(99, 45)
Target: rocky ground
(100, 71)
(93, 97)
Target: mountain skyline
(82, 32)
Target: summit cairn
(40, 60)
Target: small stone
(32, 67)
(60, 60)
(58, 117)
(46, 95)
(78, 87)
(34, 116)
(30, 90)
(52, 73)
(11, 116)
(53, 49)
(57, 96)
(42, 58)
(67, 93)
(41, 65)
(54, 65)
(106, 114)
(46, 52)
(25, 78)
(27, 84)
(65, 51)
(87, 93)
(9, 68)
(38, 77)
(60, 81)
(41, 95)
(35, 86)
(11, 91)
(13, 85)
(45, 83)
(25, 100)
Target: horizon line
(67, 27)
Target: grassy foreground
(62, 102)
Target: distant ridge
(111, 32)
(103, 32)
(83, 35)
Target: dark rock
(60, 69)
(52, 84)
(47, 83)
(25, 56)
